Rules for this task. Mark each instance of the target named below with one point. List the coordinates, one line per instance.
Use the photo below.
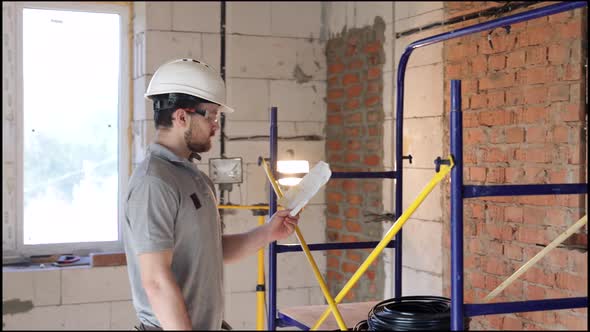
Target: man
(173, 241)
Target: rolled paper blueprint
(296, 197)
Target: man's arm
(236, 246)
(163, 291)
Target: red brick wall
(524, 114)
(354, 143)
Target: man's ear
(180, 117)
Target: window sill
(40, 267)
(93, 260)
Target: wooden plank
(39, 259)
(352, 313)
(108, 259)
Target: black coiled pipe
(361, 326)
(409, 313)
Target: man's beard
(195, 147)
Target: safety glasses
(211, 116)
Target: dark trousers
(142, 327)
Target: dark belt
(143, 327)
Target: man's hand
(236, 246)
(281, 225)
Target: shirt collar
(165, 153)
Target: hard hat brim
(226, 109)
(222, 107)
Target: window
(72, 121)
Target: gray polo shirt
(171, 205)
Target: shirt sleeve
(152, 208)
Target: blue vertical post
(456, 208)
(399, 167)
(272, 253)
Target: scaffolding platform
(305, 317)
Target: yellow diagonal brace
(243, 207)
(260, 303)
(558, 240)
(314, 266)
(444, 170)
(271, 179)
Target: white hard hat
(191, 77)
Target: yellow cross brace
(314, 266)
(444, 170)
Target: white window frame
(81, 248)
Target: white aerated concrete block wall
(274, 58)
(423, 139)
(165, 31)
(75, 298)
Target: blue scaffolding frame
(275, 248)
(458, 192)
(459, 309)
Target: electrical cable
(265, 137)
(409, 313)
(222, 136)
(507, 7)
